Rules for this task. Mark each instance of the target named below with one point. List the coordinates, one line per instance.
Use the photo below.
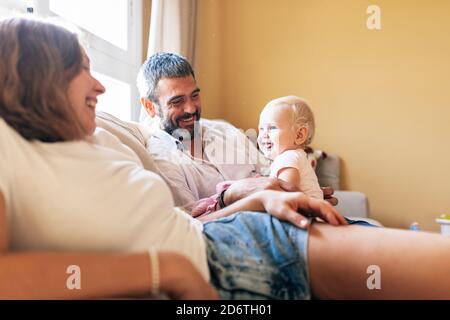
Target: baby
(286, 128)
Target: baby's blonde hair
(303, 115)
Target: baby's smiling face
(276, 130)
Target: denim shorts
(253, 255)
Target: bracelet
(154, 264)
(220, 199)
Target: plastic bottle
(414, 226)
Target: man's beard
(173, 128)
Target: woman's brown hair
(37, 61)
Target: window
(105, 19)
(112, 33)
(9, 7)
(117, 95)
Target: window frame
(109, 59)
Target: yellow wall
(381, 98)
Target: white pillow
(132, 134)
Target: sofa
(351, 203)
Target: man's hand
(245, 187)
(328, 196)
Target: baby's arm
(289, 174)
(293, 167)
(286, 167)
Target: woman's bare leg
(412, 265)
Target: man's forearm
(240, 190)
(250, 203)
(245, 187)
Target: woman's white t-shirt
(88, 197)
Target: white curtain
(173, 27)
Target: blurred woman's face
(82, 92)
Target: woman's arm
(4, 238)
(283, 205)
(43, 275)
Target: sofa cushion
(132, 134)
(328, 171)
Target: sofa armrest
(352, 204)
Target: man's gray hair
(158, 66)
